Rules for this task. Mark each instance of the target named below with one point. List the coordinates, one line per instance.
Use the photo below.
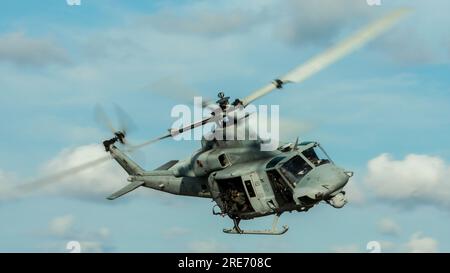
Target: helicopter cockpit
(315, 153)
(293, 168)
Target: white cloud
(350, 248)
(19, 49)
(419, 243)
(63, 229)
(301, 23)
(208, 21)
(354, 193)
(96, 182)
(93, 246)
(290, 128)
(175, 88)
(369, 247)
(61, 226)
(387, 246)
(417, 179)
(7, 181)
(295, 22)
(175, 232)
(422, 38)
(206, 246)
(309, 22)
(389, 227)
(103, 232)
(60, 177)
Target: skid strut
(273, 231)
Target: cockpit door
(255, 192)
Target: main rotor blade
(126, 123)
(148, 142)
(332, 55)
(44, 181)
(174, 132)
(102, 118)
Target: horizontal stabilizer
(130, 187)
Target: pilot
(314, 160)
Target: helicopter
(243, 180)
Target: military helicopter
(244, 181)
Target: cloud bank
(64, 229)
(417, 179)
(22, 50)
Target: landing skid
(273, 231)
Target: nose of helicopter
(324, 183)
(336, 178)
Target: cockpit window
(316, 156)
(295, 168)
(274, 161)
(310, 154)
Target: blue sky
(382, 112)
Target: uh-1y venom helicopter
(244, 181)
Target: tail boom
(161, 179)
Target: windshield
(316, 155)
(272, 163)
(295, 168)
